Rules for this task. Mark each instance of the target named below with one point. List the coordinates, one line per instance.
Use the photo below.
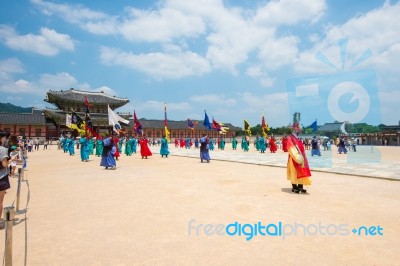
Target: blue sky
(232, 58)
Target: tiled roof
(331, 127)
(175, 124)
(22, 119)
(78, 96)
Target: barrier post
(9, 214)
(19, 187)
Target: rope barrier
(9, 218)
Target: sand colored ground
(80, 214)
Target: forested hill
(10, 108)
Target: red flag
(216, 125)
(165, 115)
(138, 125)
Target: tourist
(353, 144)
(5, 161)
(29, 145)
(204, 148)
(46, 142)
(36, 142)
(315, 147)
(164, 150)
(342, 146)
(14, 152)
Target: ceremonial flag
(219, 127)
(137, 125)
(75, 122)
(296, 122)
(76, 119)
(247, 129)
(216, 125)
(114, 119)
(68, 120)
(167, 135)
(264, 126)
(88, 120)
(206, 122)
(314, 126)
(191, 124)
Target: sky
(237, 59)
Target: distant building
(74, 100)
(333, 129)
(179, 129)
(51, 123)
(31, 125)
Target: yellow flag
(167, 135)
(247, 129)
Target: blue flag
(206, 122)
(314, 126)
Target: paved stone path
(368, 161)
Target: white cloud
(158, 65)
(38, 88)
(376, 30)
(289, 12)
(216, 99)
(11, 66)
(278, 53)
(230, 33)
(106, 90)
(47, 43)
(275, 106)
(70, 13)
(160, 25)
(258, 72)
(157, 105)
(58, 81)
(267, 81)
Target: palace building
(74, 101)
(179, 129)
(51, 123)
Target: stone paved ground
(368, 161)
(154, 212)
